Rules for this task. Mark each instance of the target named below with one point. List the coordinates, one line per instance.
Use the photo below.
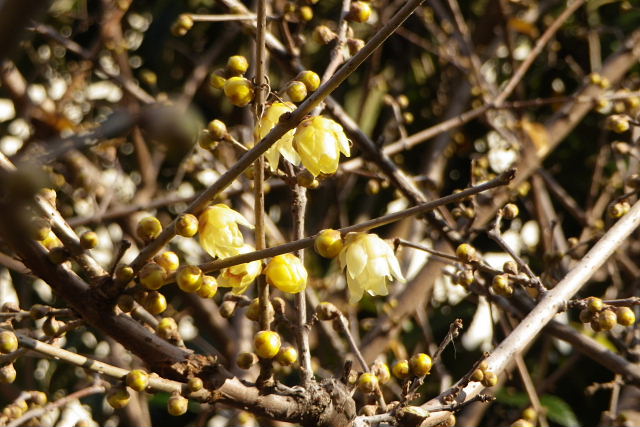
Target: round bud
(287, 355)
(138, 379)
(118, 397)
(8, 342)
(490, 379)
(217, 79)
(403, 101)
(616, 210)
(368, 383)
(89, 240)
(408, 117)
(607, 319)
(217, 129)
(586, 315)
(155, 303)
(400, 369)
(186, 225)
(168, 260)
(126, 303)
(618, 123)
(297, 91)
(360, 11)
(152, 276)
(477, 375)
(626, 316)
(466, 253)
(51, 326)
(237, 65)
(483, 366)
(189, 278)
(310, 79)
(239, 91)
(195, 384)
(208, 288)
(39, 229)
(529, 414)
(595, 304)
(510, 211)
(7, 373)
(420, 364)
(124, 273)
(500, 285)
(381, 370)
(595, 324)
(328, 243)
(167, 328)
(39, 398)
(246, 360)
(305, 13)
(327, 311)
(266, 344)
(148, 228)
(177, 405)
(182, 25)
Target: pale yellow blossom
(219, 233)
(319, 142)
(282, 146)
(241, 276)
(370, 262)
(287, 273)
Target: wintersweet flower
(370, 261)
(241, 276)
(287, 273)
(219, 233)
(319, 142)
(282, 146)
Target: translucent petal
(355, 290)
(356, 259)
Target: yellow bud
(297, 91)
(189, 278)
(209, 287)
(401, 369)
(239, 91)
(149, 228)
(360, 11)
(310, 79)
(328, 243)
(186, 225)
(287, 273)
(118, 397)
(152, 276)
(167, 327)
(168, 260)
(195, 384)
(287, 355)
(7, 374)
(8, 342)
(266, 344)
(217, 79)
(155, 303)
(217, 129)
(305, 13)
(177, 405)
(420, 364)
(237, 65)
(138, 379)
(625, 316)
(246, 360)
(89, 240)
(367, 383)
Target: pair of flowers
(369, 260)
(317, 141)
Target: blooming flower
(219, 233)
(282, 146)
(287, 273)
(370, 261)
(240, 276)
(319, 142)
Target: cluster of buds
(483, 375)
(237, 88)
(418, 365)
(299, 11)
(604, 317)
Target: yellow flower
(287, 273)
(240, 276)
(370, 261)
(219, 233)
(319, 142)
(282, 146)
